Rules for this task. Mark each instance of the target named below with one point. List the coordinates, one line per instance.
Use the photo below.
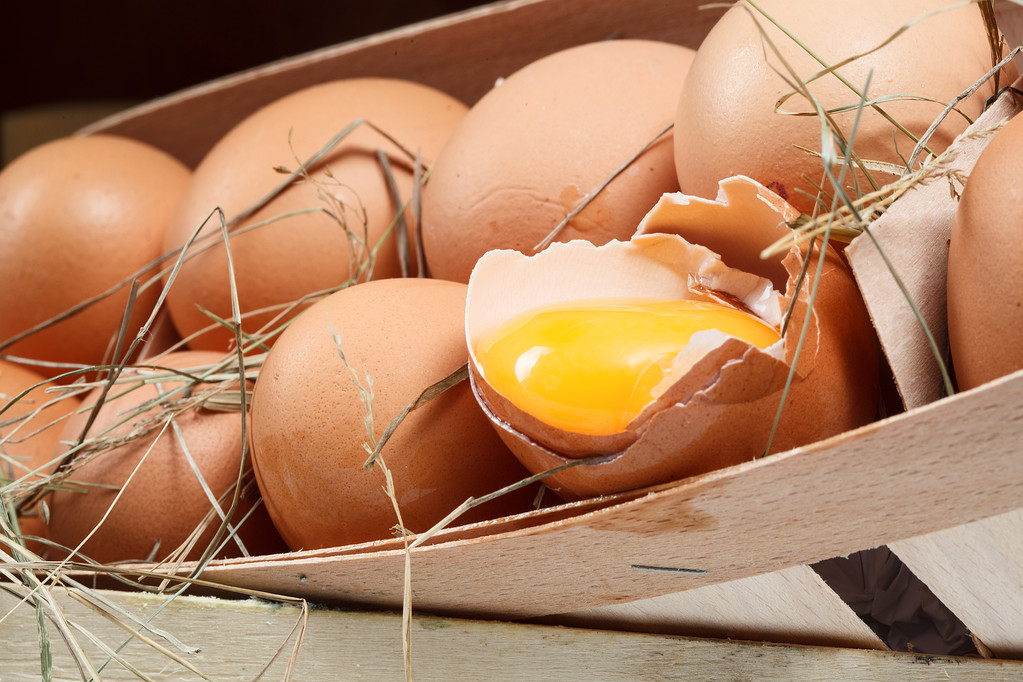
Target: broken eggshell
(721, 411)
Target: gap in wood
(896, 604)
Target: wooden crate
(724, 556)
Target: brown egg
(717, 405)
(321, 230)
(546, 137)
(79, 215)
(727, 123)
(309, 428)
(985, 265)
(30, 427)
(164, 501)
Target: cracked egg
(669, 354)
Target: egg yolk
(591, 367)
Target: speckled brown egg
(30, 426)
(548, 135)
(985, 265)
(78, 216)
(164, 500)
(322, 230)
(727, 123)
(392, 339)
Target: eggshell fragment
(985, 264)
(721, 412)
(164, 501)
(528, 153)
(310, 408)
(323, 229)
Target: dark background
(65, 64)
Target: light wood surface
(793, 605)
(977, 571)
(948, 463)
(237, 640)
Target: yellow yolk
(592, 366)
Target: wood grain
(977, 571)
(949, 463)
(236, 640)
(793, 606)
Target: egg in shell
(78, 217)
(713, 398)
(160, 500)
(985, 264)
(338, 376)
(333, 225)
(734, 115)
(535, 146)
(31, 422)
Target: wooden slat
(793, 605)
(236, 640)
(942, 465)
(462, 54)
(977, 571)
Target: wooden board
(977, 571)
(237, 640)
(793, 605)
(462, 54)
(900, 478)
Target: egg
(710, 400)
(534, 147)
(323, 230)
(30, 426)
(335, 380)
(731, 119)
(985, 265)
(79, 216)
(143, 498)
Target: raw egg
(334, 224)
(144, 498)
(530, 151)
(733, 117)
(79, 216)
(664, 356)
(985, 264)
(330, 387)
(592, 366)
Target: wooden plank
(948, 463)
(913, 235)
(236, 640)
(977, 571)
(462, 54)
(793, 605)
